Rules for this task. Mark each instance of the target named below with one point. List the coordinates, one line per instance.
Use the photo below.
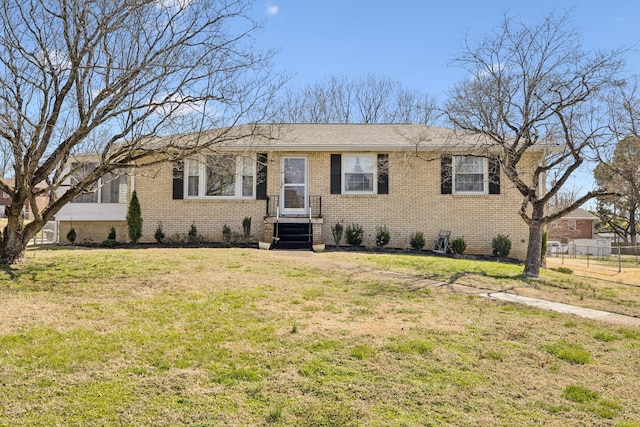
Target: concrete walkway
(587, 313)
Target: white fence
(48, 234)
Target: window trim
(201, 163)
(485, 178)
(343, 173)
(99, 186)
(572, 225)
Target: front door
(293, 197)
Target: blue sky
(414, 41)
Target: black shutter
(336, 174)
(446, 171)
(494, 176)
(178, 180)
(383, 174)
(261, 177)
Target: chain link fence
(611, 257)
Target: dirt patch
(597, 270)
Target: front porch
(293, 230)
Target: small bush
(246, 228)
(177, 238)
(110, 241)
(134, 219)
(192, 235)
(337, 231)
(226, 234)
(382, 236)
(501, 245)
(112, 234)
(71, 235)
(417, 240)
(159, 234)
(459, 245)
(353, 234)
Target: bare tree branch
(532, 92)
(79, 77)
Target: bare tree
(370, 99)
(104, 77)
(621, 174)
(533, 86)
(619, 164)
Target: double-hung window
(469, 175)
(359, 174)
(221, 176)
(109, 188)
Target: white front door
(293, 196)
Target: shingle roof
(579, 214)
(341, 137)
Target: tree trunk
(534, 247)
(13, 243)
(632, 223)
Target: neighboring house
(5, 200)
(577, 224)
(407, 177)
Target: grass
(164, 337)
(497, 276)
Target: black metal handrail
(273, 202)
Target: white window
(358, 174)
(193, 179)
(110, 188)
(470, 175)
(571, 225)
(221, 176)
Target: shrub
(226, 234)
(192, 235)
(337, 231)
(246, 228)
(112, 234)
(382, 236)
(134, 219)
(501, 245)
(417, 240)
(71, 235)
(459, 245)
(353, 234)
(159, 234)
(110, 241)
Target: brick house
(311, 176)
(577, 224)
(5, 200)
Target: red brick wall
(560, 230)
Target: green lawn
(209, 337)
